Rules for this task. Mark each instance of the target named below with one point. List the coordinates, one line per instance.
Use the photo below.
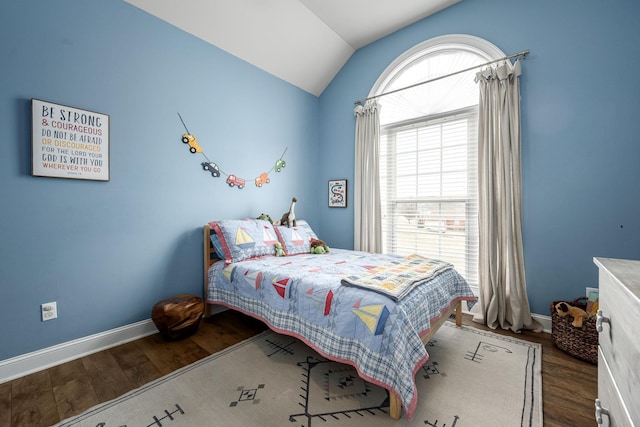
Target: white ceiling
(304, 42)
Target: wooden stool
(178, 317)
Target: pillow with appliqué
(242, 239)
(296, 240)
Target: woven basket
(578, 342)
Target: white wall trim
(477, 45)
(29, 363)
(545, 321)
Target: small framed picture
(338, 193)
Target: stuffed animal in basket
(578, 314)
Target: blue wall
(581, 149)
(107, 251)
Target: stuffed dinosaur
(289, 218)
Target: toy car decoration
(193, 143)
(215, 171)
(262, 179)
(234, 180)
(211, 167)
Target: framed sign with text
(68, 142)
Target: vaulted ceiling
(304, 42)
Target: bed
(332, 302)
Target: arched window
(428, 150)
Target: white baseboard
(29, 363)
(215, 309)
(545, 321)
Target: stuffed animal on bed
(265, 217)
(578, 314)
(279, 250)
(319, 247)
(289, 218)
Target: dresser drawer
(610, 400)
(619, 340)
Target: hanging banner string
(214, 169)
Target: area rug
(472, 378)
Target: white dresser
(618, 323)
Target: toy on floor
(289, 218)
(279, 250)
(578, 314)
(319, 247)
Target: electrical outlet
(591, 293)
(49, 311)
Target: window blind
(428, 178)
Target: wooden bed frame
(395, 407)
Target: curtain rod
(522, 55)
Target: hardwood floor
(44, 398)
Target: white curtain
(367, 211)
(503, 298)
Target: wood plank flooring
(569, 386)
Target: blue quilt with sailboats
(302, 295)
